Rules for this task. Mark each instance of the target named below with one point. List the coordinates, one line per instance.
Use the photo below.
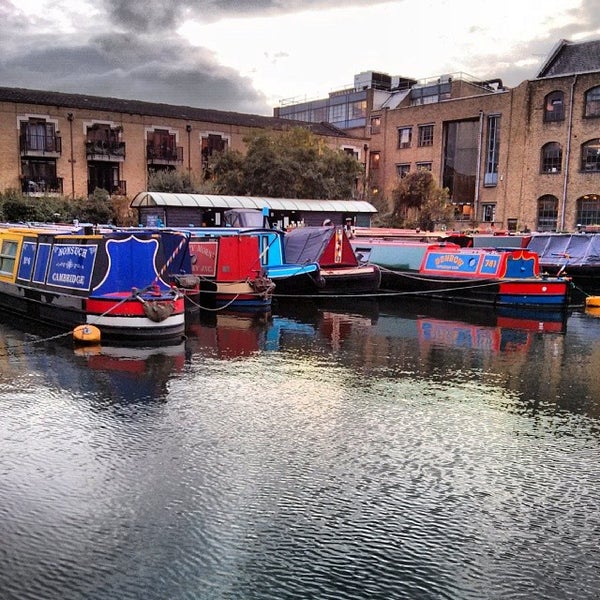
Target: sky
(250, 55)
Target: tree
(292, 164)
(418, 195)
(170, 181)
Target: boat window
(8, 254)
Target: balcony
(164, 155)
(104, 150)
(40, 145)
(119, 188)
(37, 186)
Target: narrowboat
(229, 271)
(112, 280)
(287, 278)
(329, 246)
(447, 271)
(574, 254)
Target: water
(322, 452)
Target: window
(404, 137)
(590, 156)
(403, 170)
(488, 212)
(592, 102)
(358, 110)
(551, 157)
(319, 115)
(38, 136)
(490, 177)
(588, 210)
(554, 107)
(423, 166)
(425, 135)
(374, 160)
(211, 144)
(39, 176)
(162, 145)
(547, 213)
(8, 254)
(337, 113)
(375, 124)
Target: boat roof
(254, 202)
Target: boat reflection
(227, 334)
(497, 329)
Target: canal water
(384, 450)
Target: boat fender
(86, 334)
(158, 311)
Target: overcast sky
(248, 55)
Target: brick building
(511, 158)
(70, 144)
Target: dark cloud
(143, 58)
(166, 70)
(154, 15)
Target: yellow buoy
(592, 302)
(86, 334)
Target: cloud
(144, 66)
(56, 45)
(152, 15)
(523, 60)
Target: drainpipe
(366, 172)
(188, 128)
(72, 159)
(567, 156)
(478, 173)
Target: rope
(214, 309)
(171, 258)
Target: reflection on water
(371, 450)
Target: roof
(154, 109)
(212, 201)
(568, 58)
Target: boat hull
(360, 280)
(507, 277)
(111, 280)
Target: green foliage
(293, 164)
(418, 195)
(96, 208)
(170, 181)
(16, 207)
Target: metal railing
(40, 186)
(118, 188)
(164, 154)
(105, 148)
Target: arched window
(588, 210)
(554, 106)
(551, 157)
(590, 155)
(592, 102)
(547, 213)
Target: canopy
(150, 199)
(581, 249)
